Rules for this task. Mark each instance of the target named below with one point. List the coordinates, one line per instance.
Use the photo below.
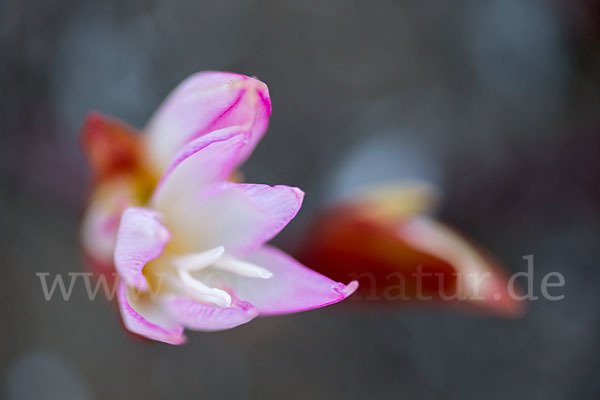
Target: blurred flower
(383, 238)
(187, 242)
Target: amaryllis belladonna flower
(187, 241)
(384, 238)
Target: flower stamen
(186, 264)
(202, 292)
(243, 268)
(198, 261)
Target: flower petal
(239, 217)
(292, 288)
(398, 254)
(392, 201)
(145, 317)
(141, 238)
(205, 317)
(482, 279)
(205, 102)
(205, 160)
(101, 219)
(111, 147)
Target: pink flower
(190, 246)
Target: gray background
(495, 101)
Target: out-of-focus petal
(140, 239)
(205, 317)
(103, 214)
(239, 217)
(201, 162)
(146, 317)
(397, 254)
(481, 278)
(110, 146)
(205, 102)
(394, 201)
(292, 288)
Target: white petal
(239, 217)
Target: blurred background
(497, 102)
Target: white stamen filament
(188, 263)
(204, 293)
(243, 268)
(197, 261)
